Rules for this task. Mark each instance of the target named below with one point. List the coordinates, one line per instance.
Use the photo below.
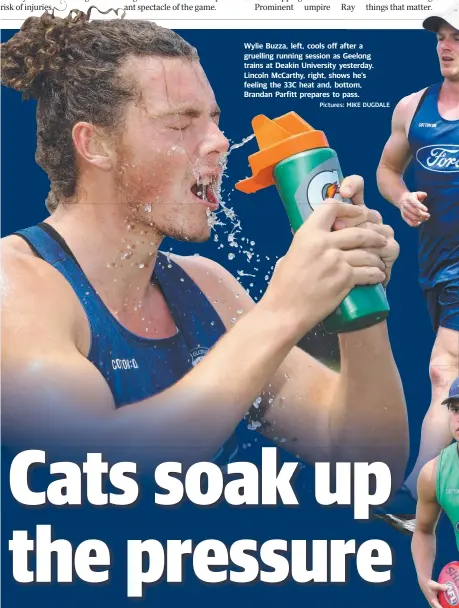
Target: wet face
(448, 52)
(454, 418)
(170, 151)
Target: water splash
(242, 143)
(228, 232)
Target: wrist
(424, 580)
(290, 328)
(399, 199)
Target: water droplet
(148, 207)
(231, 256)
(141, 265)
(212, 322)
(239, 311)
(233, 320)
(253, 425)
(257, 402)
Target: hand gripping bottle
(297, 159)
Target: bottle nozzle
(277, 140)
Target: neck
(451, 89)
(117, 255)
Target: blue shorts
(443, 305)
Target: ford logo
(441, 158)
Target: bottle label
(321, 183)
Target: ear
(92, 146)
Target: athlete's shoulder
(407, 106)
(220, 287)
(198, 265)
(34, 294)
(207, 272)
(23, 268)
(427, 480)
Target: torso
(433, 136)
(135, 364)
(447, 485)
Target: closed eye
(180, 128)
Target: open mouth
(447, 59)
(207, 193)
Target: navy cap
(453, 392)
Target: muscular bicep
(50, 391)
(50, 394)
(298, 405)
(293, 407)
(428, 510)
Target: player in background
(438, 488)
(425, 129)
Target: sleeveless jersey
(448, 485)
(434, 144)
(135, 367)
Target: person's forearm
(368, 420)
(391, 184)
(194, 417)
(423, 548)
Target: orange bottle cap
(278, 139)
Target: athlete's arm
(51, 393)
(395, 159)
(424, 541)
(358, 414)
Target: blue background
(405, 62)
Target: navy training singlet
(434, 144)
(135, 367)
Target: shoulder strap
(421, 101)
(429, 93)
(42, 244)
(48, 244)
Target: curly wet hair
(71, 66)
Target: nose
(444, 45)
(215, 141)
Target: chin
(189, 234)
(450, 74)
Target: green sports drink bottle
(306, 171)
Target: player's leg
(444, 368)
(443, 306)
